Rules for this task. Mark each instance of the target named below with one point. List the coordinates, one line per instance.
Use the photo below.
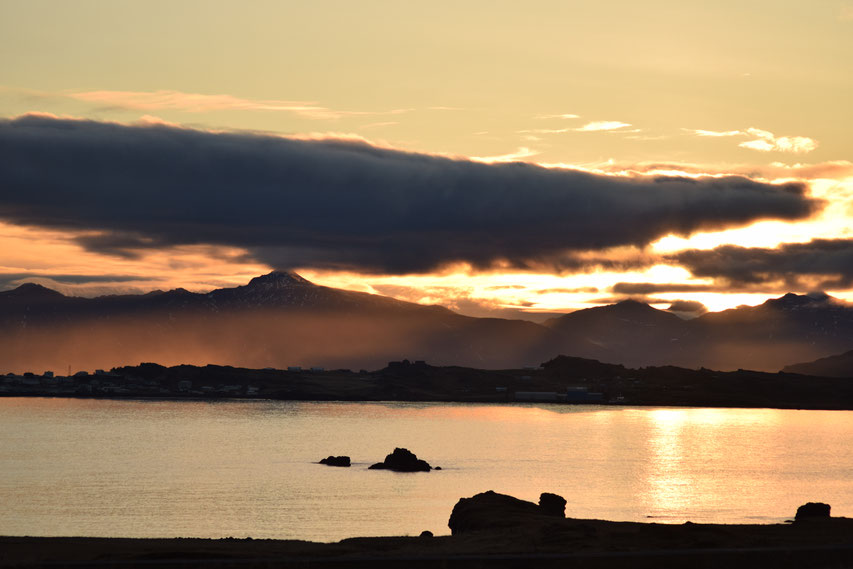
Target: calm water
(245, 468)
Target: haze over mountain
(276, 320)
(281, 319)
(840, 365)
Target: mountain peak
(631, 303)
(35, 290)
(632, 306)
(793, 301)
(279, 279)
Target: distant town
(152, 380)
(564, 379)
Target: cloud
(565, 290)
(767, 142)
(520, 154)
(84, 285)
(715, 133)
(821, 263)
(344, 204)
(202, 103)
(692, 307)
(379, 124)
(562, 116)
(655, 288)
(833, 170)
(11, 280)
(763, 140)
(546, 130)
(596, 126)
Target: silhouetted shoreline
(578, 543)
(561, 380)
(487, 530)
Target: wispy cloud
(519, 154)
(833, 170)
(202, 103)
(562, 116)
(596, 126)
(714, 133)
(593, 126)
(763, 140)
(766, 141)
(379, 124)
(545, 130)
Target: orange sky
(758, 89)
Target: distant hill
(630, 333)
(281, 319)
(766, 337)
(781, 331)
(832, 366)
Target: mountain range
(281, 319)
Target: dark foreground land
(564, 543)
(488, 530)
(560, 380)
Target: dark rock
(437, 468)
(336, 461)
(493, 511)
(812, 510)
(402, 460)
(426, 533)
(552, 504)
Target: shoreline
(603, 405)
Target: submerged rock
(493, 511)
(402, 460)
(336, 461)
(812, 510)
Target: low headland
(560, 380)
(488, 530)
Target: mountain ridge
(281, 318)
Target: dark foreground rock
(336, 461)
(812, 510)
(402, 460)
(552, 504)
(491, 511)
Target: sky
(499, 158)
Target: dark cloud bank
(824, 263)
(340, 204)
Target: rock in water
(402, 460)
(336, 461)
(552, 504)
(812, 510)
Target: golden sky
(621, 89)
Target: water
(246, 468)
